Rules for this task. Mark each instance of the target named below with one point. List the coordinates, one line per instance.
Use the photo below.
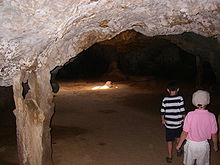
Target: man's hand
(162, 119)
(182, 138)
(215, 142)
(178, 147)
(215, 147)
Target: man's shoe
(179, 153)
(168, 160)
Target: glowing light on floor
(108, 85)
(100, 87)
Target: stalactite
(33, 114)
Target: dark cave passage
(167, 61)
(8, 143)
(142, 56)
(133, 54)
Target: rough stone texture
(208, 49)
(38, 33)
(33, 114)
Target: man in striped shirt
(172, 116)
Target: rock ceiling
(38, 34)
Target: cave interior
(130, 56)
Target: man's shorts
(196, 151)
(172, 134)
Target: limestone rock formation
(39, 33)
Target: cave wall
(38, 34)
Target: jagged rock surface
(38, 33)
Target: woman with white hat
(199, 126)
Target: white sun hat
(200, 98)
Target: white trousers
(196, 151)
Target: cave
(132, 54)
(131, 61)
(137, 56)
(45, 45)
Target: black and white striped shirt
(173, 110)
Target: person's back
(173, 111)
(199, 126)
(172, 115)
(202, 125)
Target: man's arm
(182, 138)
(215, 141)
(162, 119)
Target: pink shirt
(200, 124)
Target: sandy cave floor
(117, 126)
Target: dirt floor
(116, 126)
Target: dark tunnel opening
(8, 143)
(132, 54)
(145, 56)
(167, 61)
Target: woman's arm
(182, 138)
(215, 141)
(162, 119)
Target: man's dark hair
(173, 85)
